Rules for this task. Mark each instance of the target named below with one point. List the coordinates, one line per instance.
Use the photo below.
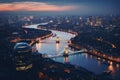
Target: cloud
(35, 6)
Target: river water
(89, 62)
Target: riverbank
(97, 54)
(37, 40)
(68, 31)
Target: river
(89, 62)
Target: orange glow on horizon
(33, 6)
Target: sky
(61, 6)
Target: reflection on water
(57, 47)
(98, 62)
(91, 56)
(117, 65)
(49, 45)
(38, 45)
(111, 68)
(86, 56)
(66, 59)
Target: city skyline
(61, 7)
(57, 40)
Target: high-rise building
(98, 21)
(90, 21)
(22, 56)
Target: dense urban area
(100, 35)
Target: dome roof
(22, 47)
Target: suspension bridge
(65, 52)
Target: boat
(108, 72)
(54, 35)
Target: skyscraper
(22, 58)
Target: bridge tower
(65, 51)
(57, 40)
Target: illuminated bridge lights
(57, 40)
(65, 51)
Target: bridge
(69, 53)
(62, 53)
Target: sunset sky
(62, 6)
